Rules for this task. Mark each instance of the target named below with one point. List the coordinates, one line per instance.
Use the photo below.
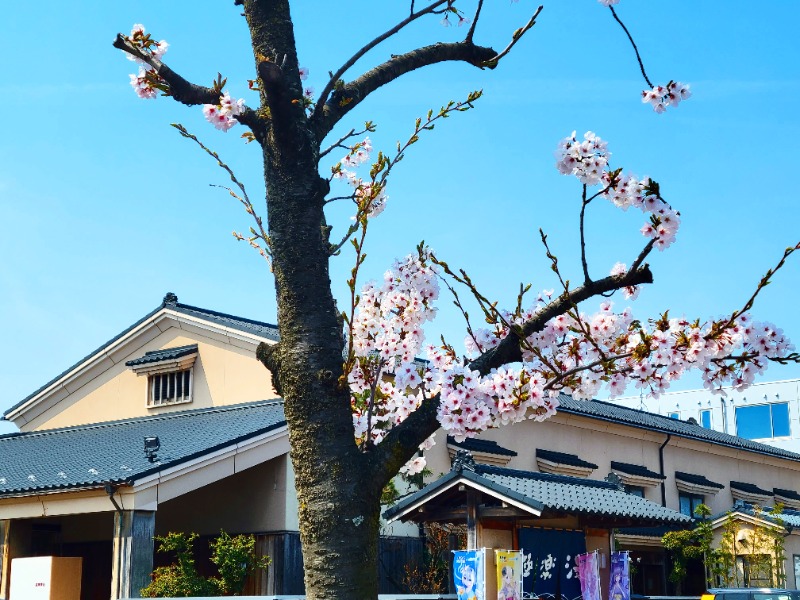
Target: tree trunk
(338, 501)
(338, 486)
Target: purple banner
(620, 585)
(589, 575)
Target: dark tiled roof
(556, 493)
(90, 455)
(638, 470)
(259, 328)
(656, 532)
(606, 411)
(485, 446)
(158, 355)
(791, 494)
(750, 488)
(791, 518)
(697, 480)
(563, 458)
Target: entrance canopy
(511, 494)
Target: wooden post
(472, 520)
(132, 562)
(5, 558)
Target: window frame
(691, 497)
(739, 411)
(174, 378)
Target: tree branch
(635, 49)
(323, 97)
(403, 440)
(186, 92)
(350, 95)
(508, 350)
(492, 62)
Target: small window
(763, 421)
(635, 490)
(674, 415)
(705, 418)
(689, 503)
(169, 388)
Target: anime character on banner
(589, 575)
(509, 574)
(620, 586)
(468, 574)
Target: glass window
(780, 420)
(763, 421)
(705, 418)
(635, 490)
(689, 503)
(796, 558)
(674, 415)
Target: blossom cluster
(145, 83)
(222, 115)
(586, 160)
(367, 194)
(608, 2)
(660, 97)
(573, 353)
(627, 191)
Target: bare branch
(350, 231)
(351, 94)
(515, 37)
(244, 198)
(368, 127)
(323, 97)
(635, 49)
(584, 203)
(765, 281)
(477, 16)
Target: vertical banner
(620, 586)
(549, 570)
(509, 574)
(468, 568)
(589, 575)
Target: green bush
(180, 580)
(235, 558)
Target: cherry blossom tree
(363, 392)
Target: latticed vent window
(170, 388)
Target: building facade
(768, 412)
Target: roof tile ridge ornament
(616, 480)
(463, 460)
(170, 299)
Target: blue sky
(104, 208)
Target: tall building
(766, 412)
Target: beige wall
(223, 374)
(600, 443)
(251, 501)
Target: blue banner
(550, 571)
(468, 571)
